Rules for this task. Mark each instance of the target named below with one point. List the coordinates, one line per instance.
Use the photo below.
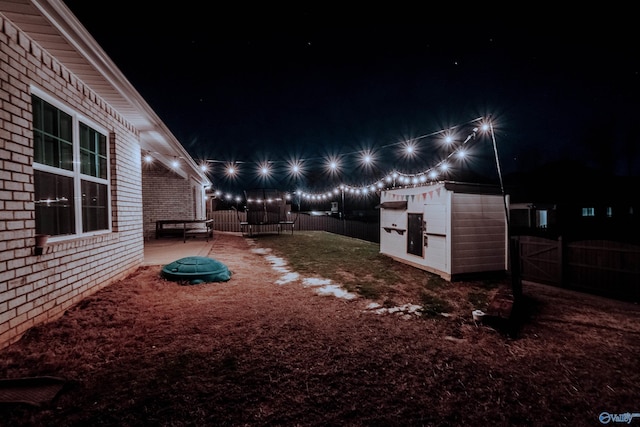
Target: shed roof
(456, 187)
(471, 188)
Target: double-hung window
(71, 175)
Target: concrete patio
(166, 250)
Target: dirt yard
(260, 351)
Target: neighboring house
(448, 228)
(578, 219)
(570, 200)
(73, 134)
(577, 228)
(533, 216)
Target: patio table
(168, 227)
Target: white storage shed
(449, 228)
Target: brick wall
(39, 288)
(165, 195)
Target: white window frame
(77, 176)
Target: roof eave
(154, 135)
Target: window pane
(85, 142)
(37, 112)
(103, 168)
(92, 150)
(94, 206)
(49, 155)
(65, 126)
(38, 148)
(54, 204)
(102, 156)
(50, 124)
(85, 161)
(52, 131)
(541, 219)
(102, 145)
(66, 156)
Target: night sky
(307, 81)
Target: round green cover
(196, 269)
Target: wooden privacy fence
(229, 220)
(600, 267)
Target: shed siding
(36, 289)
(432, 202)
(465, 231)
(436, 218)
(477, 233)
(436, 251)
(392, 242)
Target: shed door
(414, 234)
(435, 251)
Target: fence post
(516, 279)
(561, 260)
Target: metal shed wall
(478, 233)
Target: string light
(458, 151)
(333, 165)
(231, 170)
(264, 169)
(296, 168)
(410, 149)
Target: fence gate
(540, 259)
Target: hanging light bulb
(366, 158)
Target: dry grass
(250, 352)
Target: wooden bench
(247, 228)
